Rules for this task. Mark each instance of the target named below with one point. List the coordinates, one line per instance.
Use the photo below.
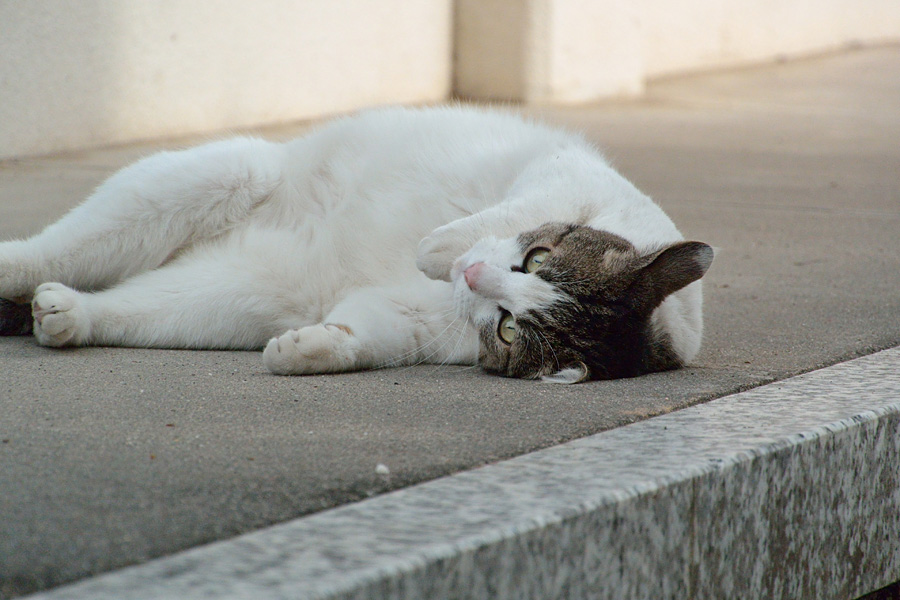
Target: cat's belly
(309, 267)
(369, 237)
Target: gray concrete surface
(790, 490)
(110, 457)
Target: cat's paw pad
(315, 349)
(438, 251)
(59, 318)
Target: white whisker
(400, 360)
(549, 345)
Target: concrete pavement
(789, 490)
(111, 457)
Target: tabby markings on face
(568, 303)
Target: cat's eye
(507, 328)
(535, 259)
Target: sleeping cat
(394, 237)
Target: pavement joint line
(761, 470)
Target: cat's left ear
(572, 374)
(675, 267)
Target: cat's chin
(464, 300)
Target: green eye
(535, 259)
(507, 328)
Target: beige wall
(78, 73)
(81, 73)
(715, 33)
(579, 50)
(546, 50)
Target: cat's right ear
(675, 267)
(574, 374)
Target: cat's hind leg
(143, 215)
(375, 328)
(216, 301)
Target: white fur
(321, 246)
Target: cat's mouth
(469, 303)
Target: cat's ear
(674, 267)
(572, 374)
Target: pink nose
(472, 274)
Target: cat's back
(360, 192)
(398, 131)
(428, 149)
(397, 173)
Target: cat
(397, 236)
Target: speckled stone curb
(791, 490)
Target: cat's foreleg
(378, 327)
(439, 249)
(571, 185)
(142, 215)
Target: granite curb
(789, 490)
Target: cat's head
(568, 303)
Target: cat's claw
(58, 315)
(310, 350)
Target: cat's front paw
(59, 318)
(314, 349)
(438, 251)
